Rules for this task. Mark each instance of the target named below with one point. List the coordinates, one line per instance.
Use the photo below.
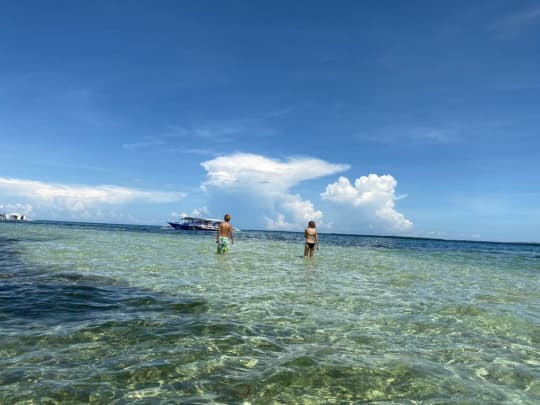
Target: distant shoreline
(47, 221)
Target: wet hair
(311, 224)
(227, 217)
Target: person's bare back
(312, 239)
(225, 229)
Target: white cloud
(25, 209)
(244, 170)
(269, 181)
(78, 198)
(262, 186)
(278, 224)
(202, 212)
(371, 200)
(302, 211)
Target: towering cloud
(371, 199)
(267, 182)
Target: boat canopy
(201, 219)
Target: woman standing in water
(312, 239)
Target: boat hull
(188, 227)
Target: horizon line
(276, 230)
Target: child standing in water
(224, 235)
(312, 239)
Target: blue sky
(379, 117)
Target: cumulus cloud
(278, 223)
(201, 212)
(262, 186)
(78, 198)
(271, 180)
(21, 208)
(300, 211)
(372, 198)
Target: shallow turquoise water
(125, 314)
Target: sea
(121, 314)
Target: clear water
(125, 314)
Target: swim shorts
(223, 244)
